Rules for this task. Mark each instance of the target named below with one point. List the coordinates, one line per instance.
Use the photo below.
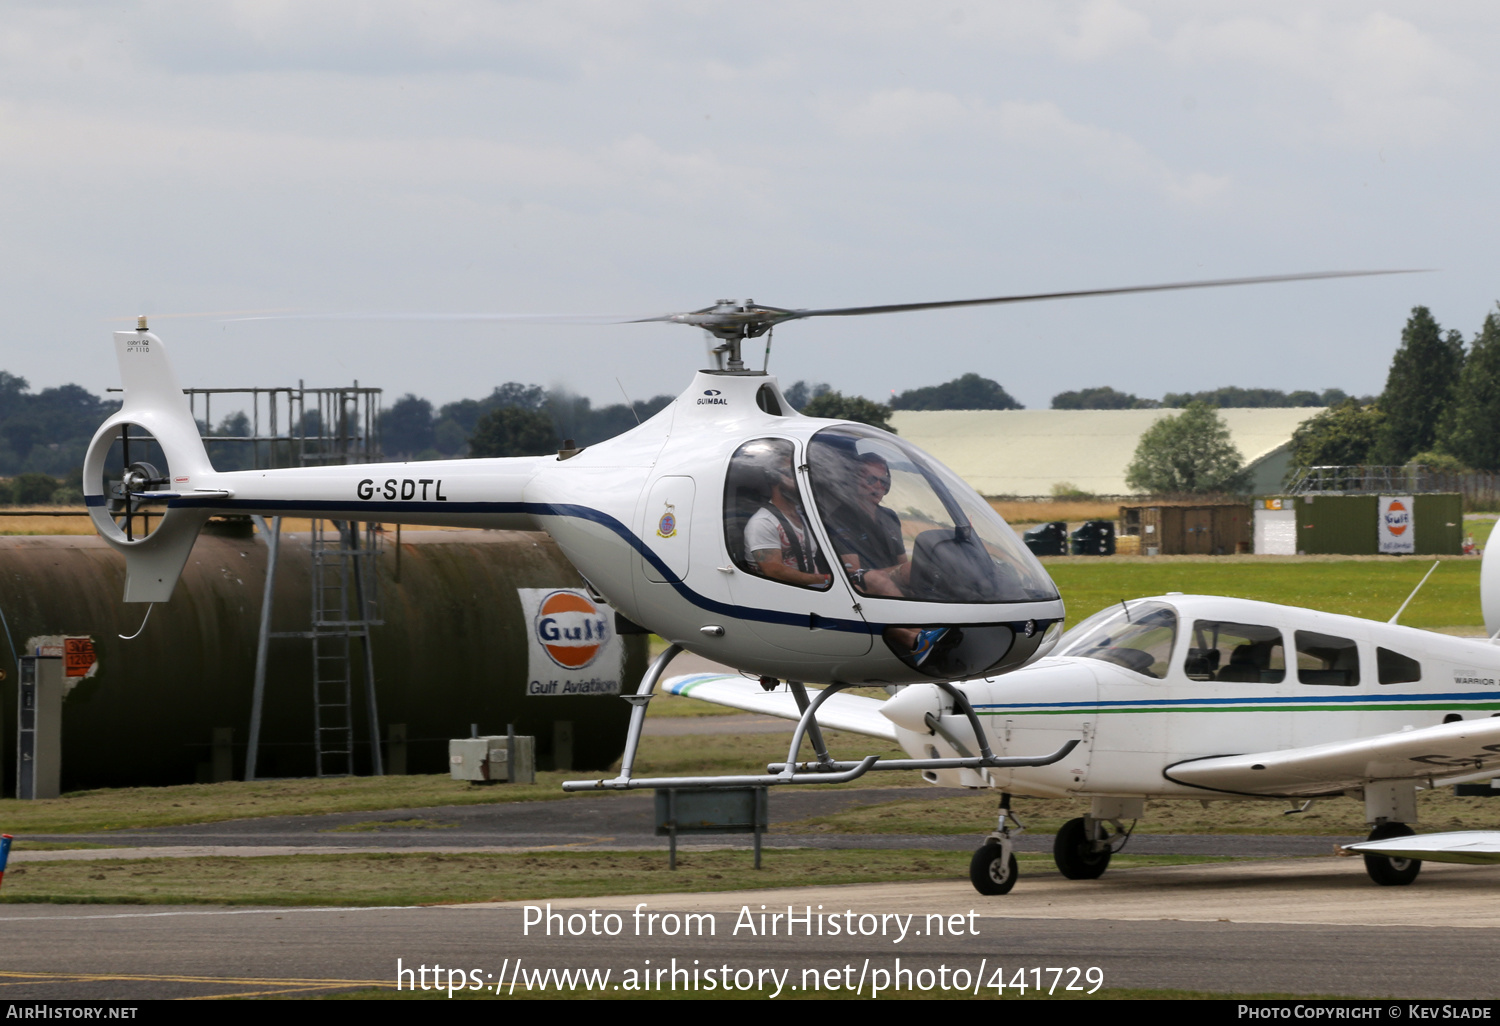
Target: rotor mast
(727, 324)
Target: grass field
(1045, 511)
(1335, 817)
(431, 878)
(1372, 587)
(145, 807)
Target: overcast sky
(623, 157)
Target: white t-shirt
(764, 531)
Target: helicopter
(728, 523)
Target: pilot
(867, 538)
(777, 538)
(867, 535)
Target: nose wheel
(993, 869)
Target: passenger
(777, 538)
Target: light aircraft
(1210, 698)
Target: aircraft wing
(855, 713)
(1470, 847)
(1467, 748)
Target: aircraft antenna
(1127, 610)
(628, 403)
(1414, 593)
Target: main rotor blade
(748, 321)
(457, 318)
(855, 311)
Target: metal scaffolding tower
(289, 427)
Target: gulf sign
(1397, 526)
(571, 629)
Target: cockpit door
(767, 521)
(668, 517)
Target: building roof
(1026, 452)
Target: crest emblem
(666, 527)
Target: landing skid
(825, 770)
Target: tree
(1419, 388)
(406, 428)
(1344, 436)
(969, 392)
(513, 431)
(33, 489)
(1473, 432)
(1101, 398)
(1190, 452)
(837, 406)
(1234, 397)
(233, 455)
(799, 394)
(455, 422)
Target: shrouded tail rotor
(139, 460)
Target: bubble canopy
(904, 526)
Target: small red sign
(78, 656)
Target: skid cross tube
(973, 762)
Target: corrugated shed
(1026, 452)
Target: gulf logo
(571, 629)
(1397, 519)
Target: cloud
(1037, 135)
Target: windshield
(1136, 635)
(904, 526)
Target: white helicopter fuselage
(642, 516)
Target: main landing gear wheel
(1073, 852)
(1385, 870)
(991, 871)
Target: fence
(1480, 488)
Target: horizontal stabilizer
(1458, 749)
(1469, 847)
(854, 713)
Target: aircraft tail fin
(154, 403)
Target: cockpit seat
(1248, 664)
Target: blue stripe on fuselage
(367, 511)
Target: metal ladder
(343, 611)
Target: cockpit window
(1326, 659)
(1138, 636)
(903, 526)
(765, 520)
(1395, 668)
(1245, 653)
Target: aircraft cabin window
(1325, 659)
(1138, 636)
(1241, 652)
(766, 525)
(1395, 668)
(903, 526)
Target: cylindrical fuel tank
(452, 652)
